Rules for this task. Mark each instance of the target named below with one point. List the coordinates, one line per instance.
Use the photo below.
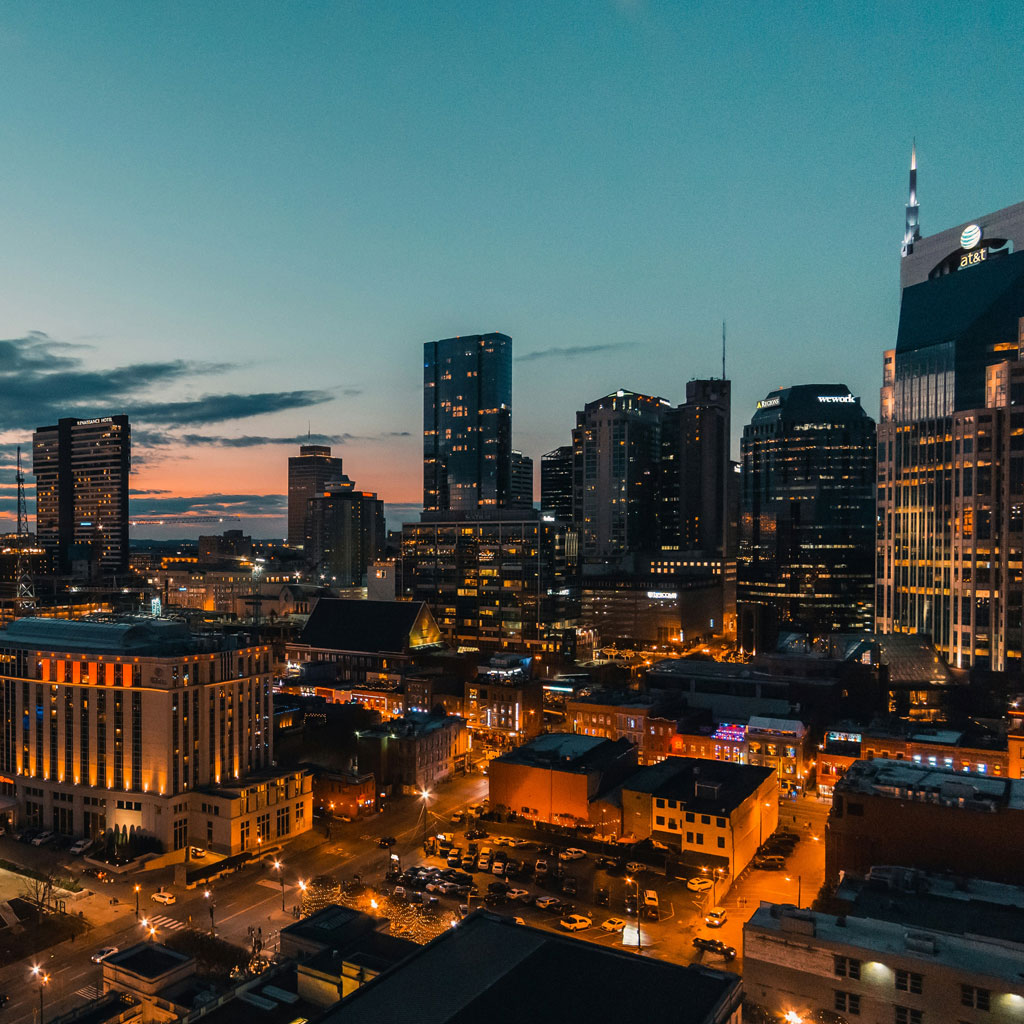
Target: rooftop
(957, 951)
(565, 751)
(906, 780)
(491, 969)
(413, 723)
(331, 927)
(704, 786)
(379, 627)
(135, 634)
(148, 960)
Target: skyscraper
(308, 474)
(694, 509)
(807, 515)
(616, 473)
(951, 442)
(521, 481)
(556, 483)
(82, 469)
(345, 533)
(467, 423)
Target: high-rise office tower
(345, 533)
(807, 515)
(694, 512)
(521, 481)
(951, 443)
(467, 423)
(308, 474)
(82, 469)
(556, 483)
(616, 473)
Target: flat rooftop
(700, 785)
(907, 780)
(491, 969)
(565, 751)
(984, 956)
(148, 960)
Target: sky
(239, 222)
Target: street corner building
(951, 443)
(136, 725)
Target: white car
(166, 898)
(575, 923)
(78, 848)
(634, 867)
(716, 917)
(43, 838)
(572, 854)
(518, 894)
(102, 953)
(543, 902)
(613, 924)
(699, 884)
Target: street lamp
(425, 794)
(44, 979)
(280, 875)
(636, 882)
(210, 906)
(760, 823)
(799, 887)
(136, 901)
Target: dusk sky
(238, 222)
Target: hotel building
(134, 723)
(81, 469)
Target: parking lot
(590, 889)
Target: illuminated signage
(970, 236)
(730, 733)
(88, 423)
(844, 737)
(662, 595)
(769, 403)
(969, 259)
(833, 399)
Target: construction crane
(167, 520)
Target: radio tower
(26, 594)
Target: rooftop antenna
(26, 593)
(723, 350)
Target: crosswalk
(160, 921)
(88, 992)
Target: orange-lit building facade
(136, 724)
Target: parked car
(541, 868)
(650, 904)
(630, 904)
(197, 852)
(496, 899)
(544, 902)
(575, 923)
(699, 884)
(78, 848)
(601, 897)
(715, 946)
(386, 841)
(455, 856)
(457, 817)
(769, 862)
(164, 897)
(634, 867)
(613, 924)
(716, 917)
(476, 833)
(570, 886)
(43, 838)
(519, 895)
(102, 953)
(572, 853)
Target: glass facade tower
(467, 423)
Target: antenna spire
(723, 350)
(25, 600)
(912, 230)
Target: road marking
(270, 884)
(88, 992)
(166, 922)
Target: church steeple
(912, 231)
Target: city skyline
(240, 230)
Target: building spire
(912, 230)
